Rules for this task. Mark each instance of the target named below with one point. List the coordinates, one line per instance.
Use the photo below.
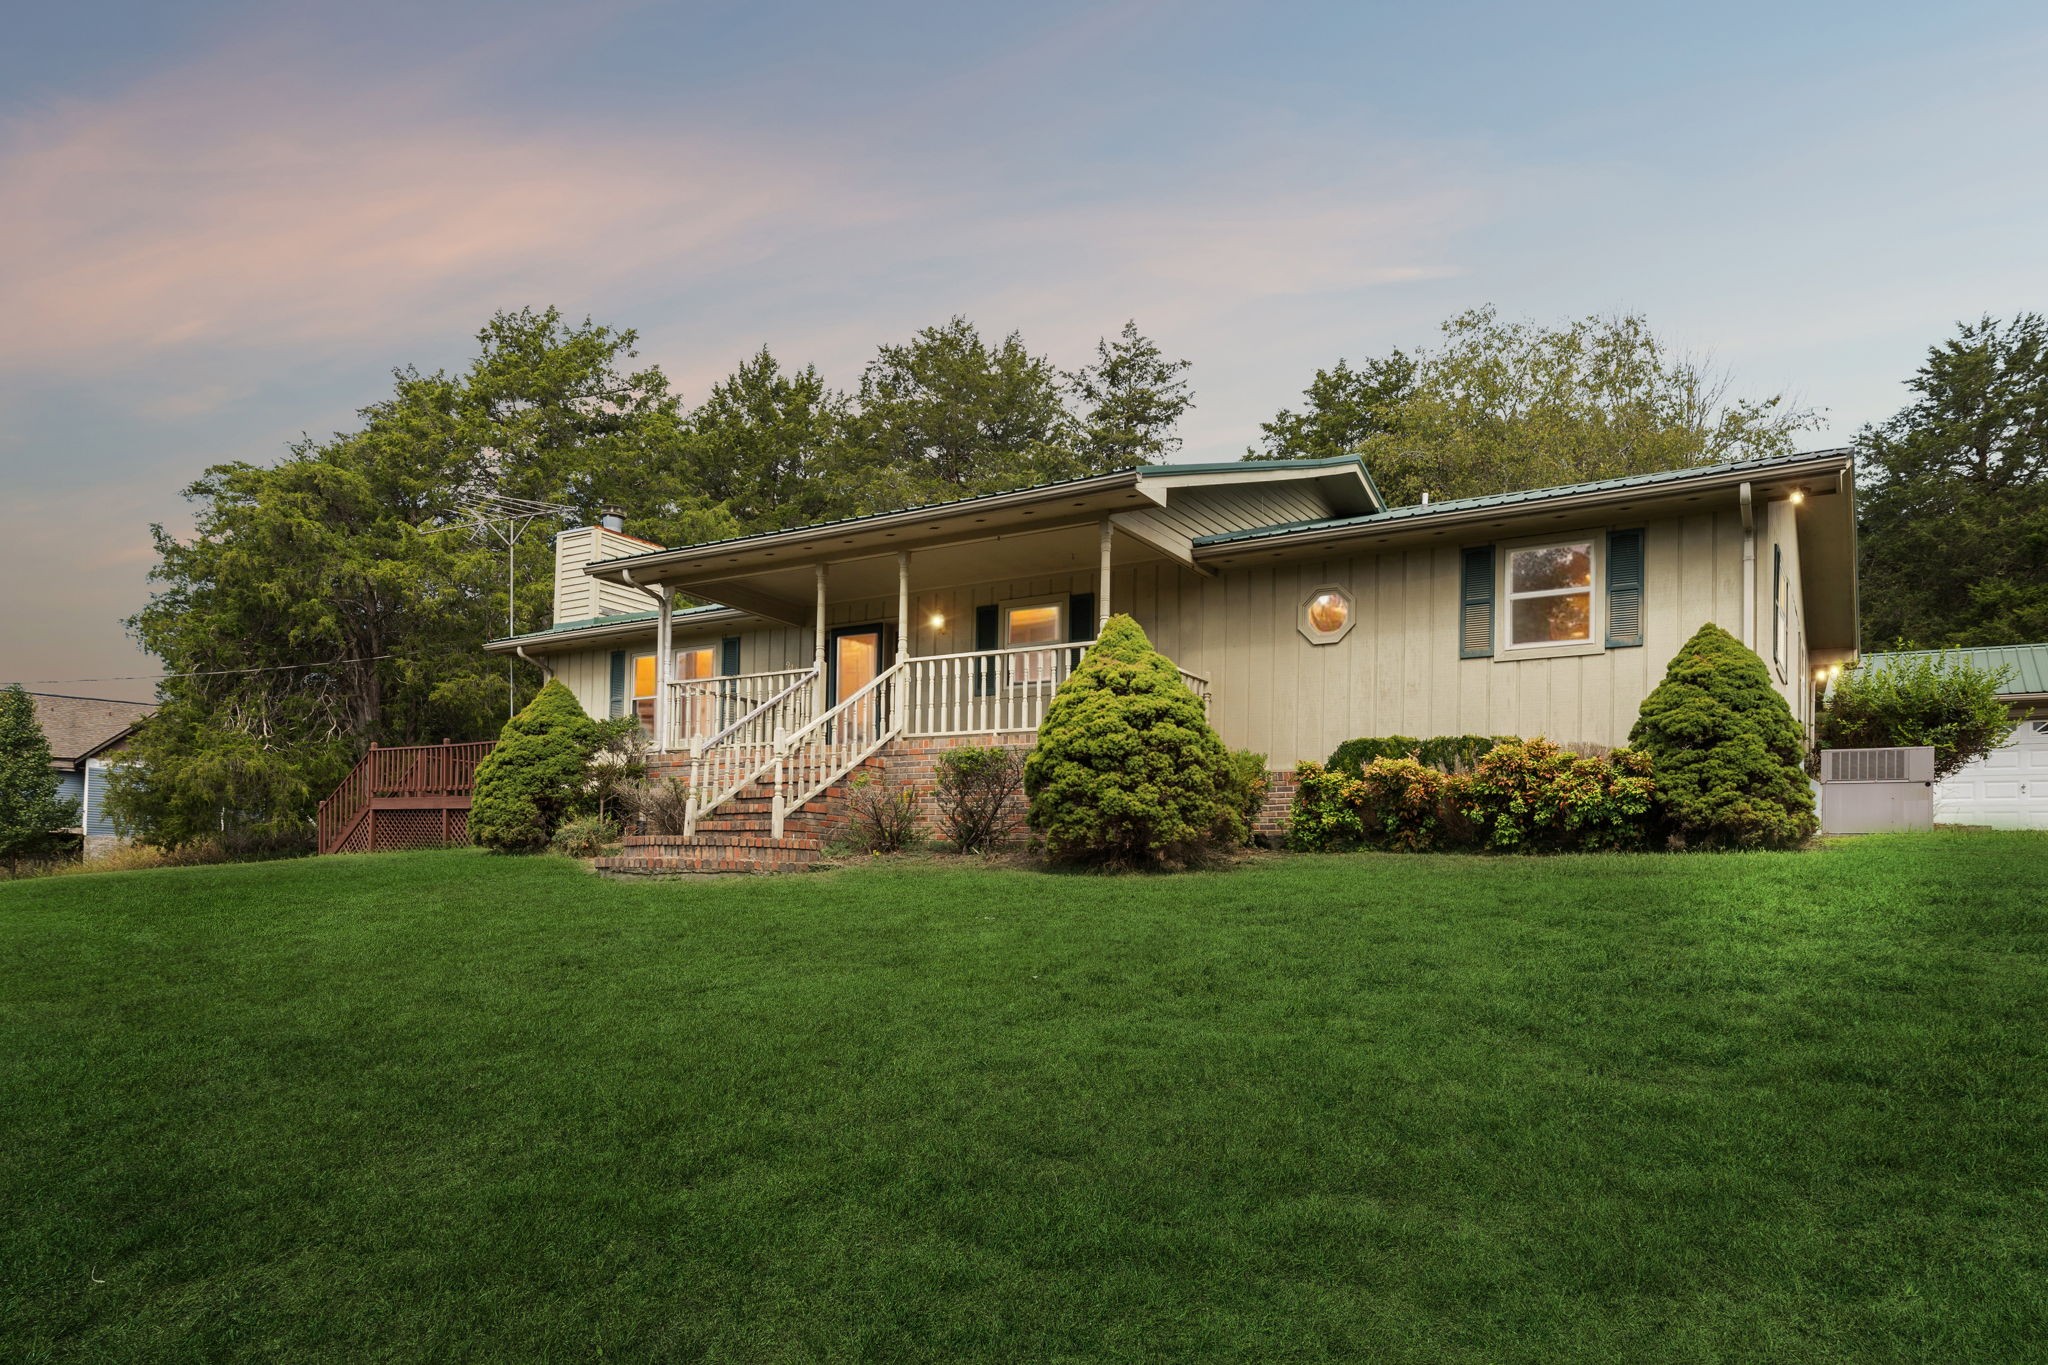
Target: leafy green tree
(333, 600)
(30, 808)
(1954, 534)
(1132, 399)
(1725, 749)
(1345, 408)
(760, 445)
(537, 777)
(1501, 406)
(947, 416)
(1128, 772)
(1938, 699)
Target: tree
(537, 777)
(1937, 699)
(1132, 398)
(1345, 409)
(1725, 749)
(1505, 406)
(949, 416)
(759, 445)
(1127, 771)
(314, 610)
(1954, 516)
(31, 812)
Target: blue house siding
(95, 811)
(70, 786)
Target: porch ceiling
(785, 592)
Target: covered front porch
(901, 644)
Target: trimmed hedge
(1727, 750)
(1127, 771)
(1524, 796)
(537, 776)
(1445, 753)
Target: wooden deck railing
(423, 789)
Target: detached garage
(2007, 789)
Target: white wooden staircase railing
(986, 692)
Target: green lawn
(449, 1107)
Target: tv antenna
(504, 518)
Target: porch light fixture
(1798, 496)
(1326, 615)
(938, 620)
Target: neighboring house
(1304, 609)
(84, 734)
(2007, 789)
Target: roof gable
(78, 727)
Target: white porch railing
(776, 725)
(701, 708)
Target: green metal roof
(1394, 515)
(2026, 666)
(625, 618)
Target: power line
(205, 673)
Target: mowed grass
(449, 1107)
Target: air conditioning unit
(1876, 791)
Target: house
(2007, 789)
(84, 734)
(1303, 608)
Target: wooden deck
(413, 796)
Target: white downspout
(1748, 566)
(545, 672)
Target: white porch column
(664, 669)
(903, 626)
(1102, 592)
(818, 655)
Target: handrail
(825, 749)
(803, 679)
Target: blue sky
(226, 223)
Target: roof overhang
(604, 630)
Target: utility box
(1876, 791)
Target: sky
(223, 225)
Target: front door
(855, 660)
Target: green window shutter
(1080, 623)
(729, 656)
(1475, 604)
(1624, 589)
(618, 683)
(987, 632)
(1778, 605)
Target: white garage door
(2007, 790)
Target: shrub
(1937, 699)
(1726, 749)
(536, 777)
(1532, 795)
(1127, 771)
(977, 794)
(1446, 753)
(585, 836)
(1245, 786)
(1394, 803)
(658, 807)
(617, 766)
(1325, 815)
(881, 813)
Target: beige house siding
(578, 596)
(1396, 672)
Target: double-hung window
(1034, 623)
(1549, 591)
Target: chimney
(578, 596)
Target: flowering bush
(1531, 796)
(1525, 796)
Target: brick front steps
(739, 835)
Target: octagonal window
(1326, 614)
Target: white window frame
(1042, 663)
(1595, 540)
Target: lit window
(1038, 625)
(1550, 594)
(1034, 625)
(1325, 615)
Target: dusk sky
(224, 224)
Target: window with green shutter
(618, 706)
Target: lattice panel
(403, 829)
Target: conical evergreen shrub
(535, 778)
(1128, 772)
(1727, 751)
